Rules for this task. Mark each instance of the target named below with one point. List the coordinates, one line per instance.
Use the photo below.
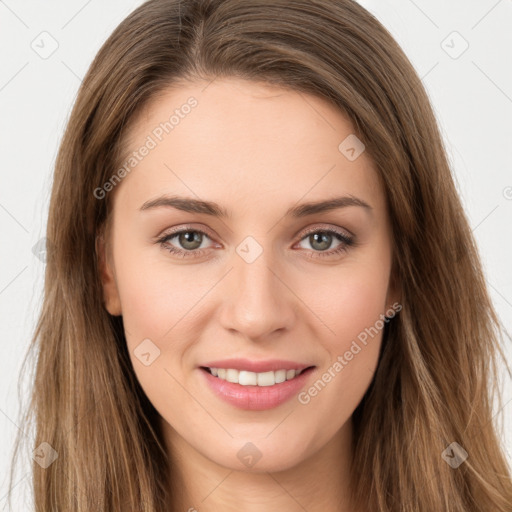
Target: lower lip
(256, 398)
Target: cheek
(356, 305)
(349, 300)
(154, 305)
(154, 295)
(352, 305)
(161, 307)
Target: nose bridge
(257, 303)
(256, 283)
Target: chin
(260, 455)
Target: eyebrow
(210, 208)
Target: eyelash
(347, 241)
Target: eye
(190, 242)
(322, 239)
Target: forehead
(243, 142)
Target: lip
(271, 365)
(256, 398)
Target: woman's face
(266, 277)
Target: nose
(257, 300)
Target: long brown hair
(436, 377)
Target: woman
(262, 291)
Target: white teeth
(232, 375)
(266, 379)
(246, 378)
(290, 374)
(280, 376)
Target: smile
(257, 386)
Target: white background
(471, 95)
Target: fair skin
(255, 150)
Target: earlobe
(111, 298)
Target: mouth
(260, 379)
(256, 386)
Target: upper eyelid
(329, 229)
(185, 229)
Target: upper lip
(270, 365)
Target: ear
(110, 293)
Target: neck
(319, 483)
